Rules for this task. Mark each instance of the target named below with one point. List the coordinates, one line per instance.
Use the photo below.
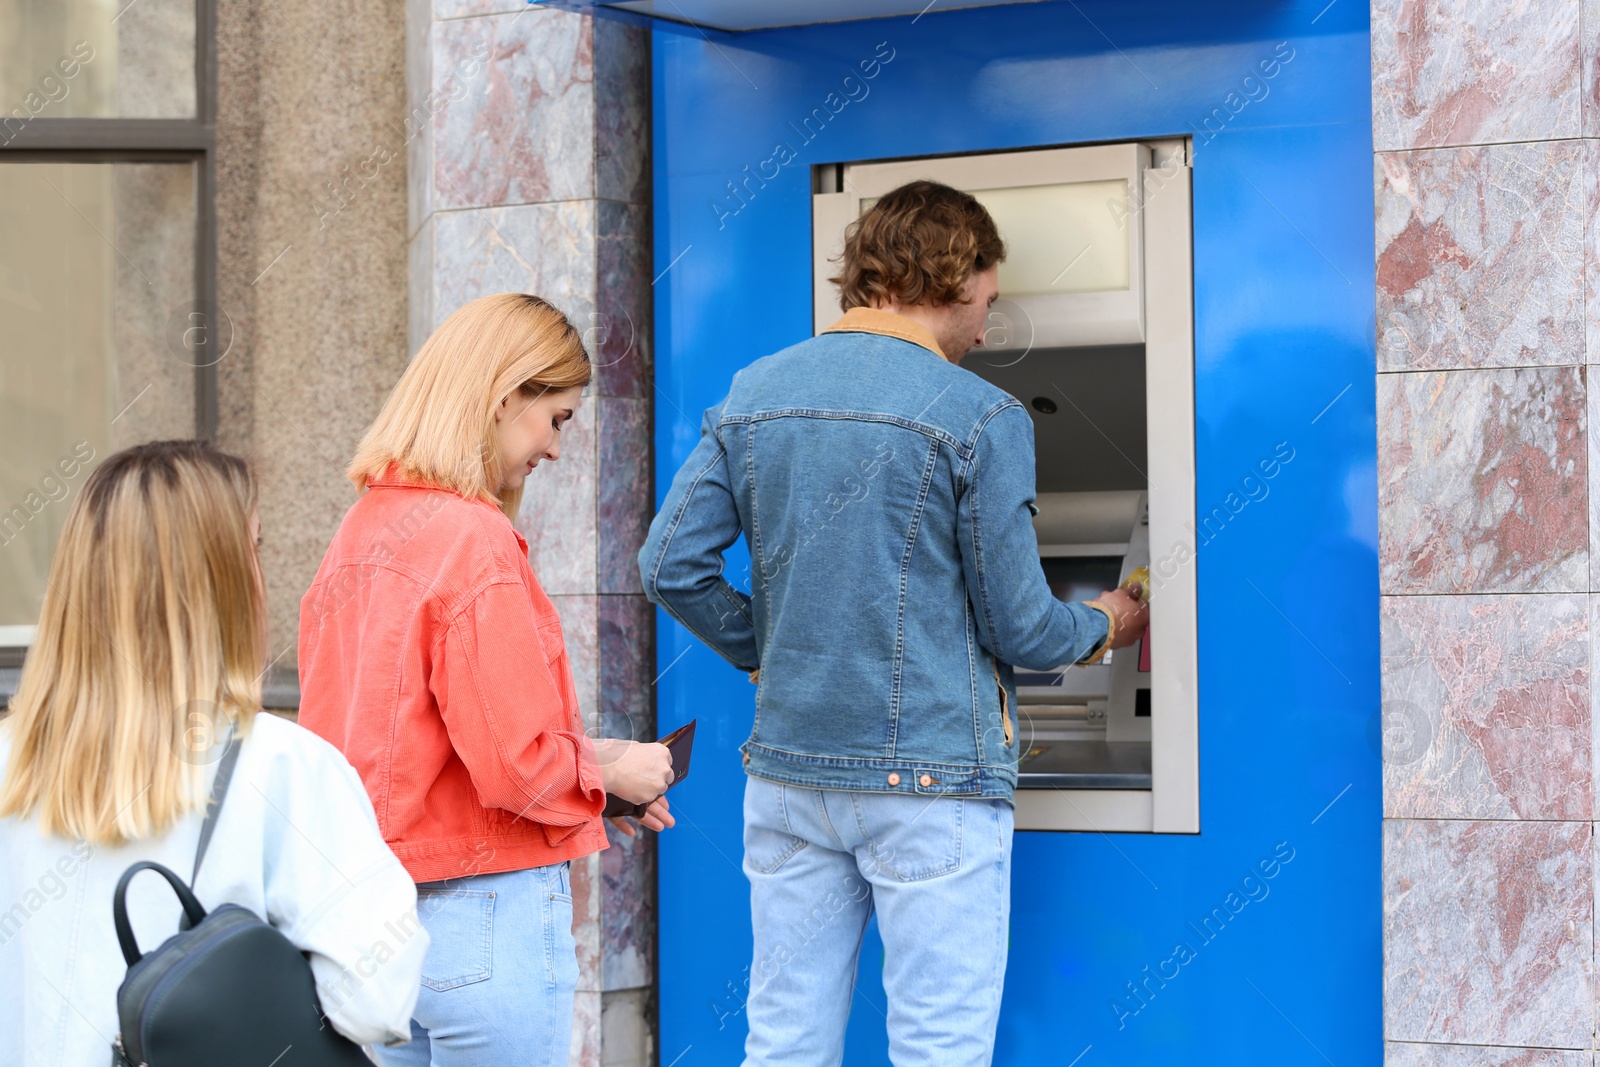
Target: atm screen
(1081, 577)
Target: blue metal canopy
(739, 16)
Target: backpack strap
(219, 792)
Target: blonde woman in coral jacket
(432, 658)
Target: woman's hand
(658, 817)
(636, 771)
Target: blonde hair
(438, 423)
(152, 634)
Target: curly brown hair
(917, 245)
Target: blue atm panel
(1257, 940)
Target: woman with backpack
(431, 656)
(148, 661)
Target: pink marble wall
(1400, 1054)
(622, 113)
(1591, 237)
(524, 130)
(620, 340)
(529, 171)
(1487, 243)
(625, 503)
(1483, 481)
(558, 509)
(1458, 72)
(1488, 935)
(1497, 688)
(626, 628)
(1481, 256)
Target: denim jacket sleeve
(681, 561)
(1019, 620)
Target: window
(107, 336)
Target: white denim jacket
(297, 843)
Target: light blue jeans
(501, 971)
(938, 871)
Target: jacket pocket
(460, 924)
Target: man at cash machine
(886, 497)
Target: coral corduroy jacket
(431, 657)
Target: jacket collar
(394, 478)
(886, 324)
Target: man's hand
(1131, 613)
(657, 817)
(636, 771)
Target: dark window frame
(119, 140)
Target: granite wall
(1484, 125)
(528, 157)
(311, 268)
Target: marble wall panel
(1496, 689)
(620, 335)
(557, 514)
(628, 869)
(626, 1027)
(420, 285)
(416, 126)
(517, 125)
(457, 9)
(586, 887)
(530, 177)
(625, 504)
(1591, 236)
(1401, 1054)
(1481, 256)
(1487, 933)
(1593, 405)
(1457, 72)
(1594, 726)
(548, 249)
(1589, 21)
(1483, 481)
(622, 112)
(627, 668)
(580, 632)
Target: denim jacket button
(894, 779)
(927, 780)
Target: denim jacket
(886, 497)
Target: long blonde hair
(438, 423)
(151, 637)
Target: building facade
(240, 219)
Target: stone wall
(311, 266)
(378, 165)
(1488, 317)
(529, 171)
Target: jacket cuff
(1111, 633)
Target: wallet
(680, 745)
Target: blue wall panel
(1288, 589)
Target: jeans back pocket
(911, 838)
(460, 925)
(768, 844)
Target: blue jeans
(938, 871)
(502, 968)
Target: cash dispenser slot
(1086, 727)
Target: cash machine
(1093, 334)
